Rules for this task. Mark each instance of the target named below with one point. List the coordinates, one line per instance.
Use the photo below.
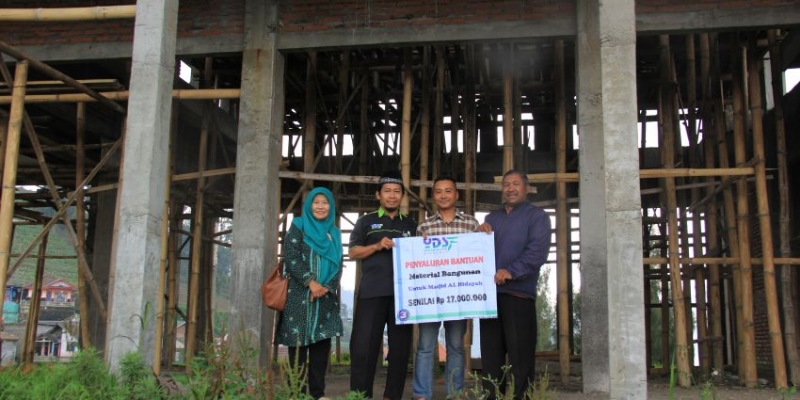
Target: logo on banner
(439, 244)
(402, 315)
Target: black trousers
(315, 358)
(366, 342)
(512, 333)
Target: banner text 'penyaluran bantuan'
(441, 278)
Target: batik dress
(303, 321)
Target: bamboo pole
(470, 129)
(697, 245)
(207, 278)
(508, 118)
(164, 248)
(3, 136)
(123, 95)
(197, 243)
(784, 224)
(729, 209)
(172, 285)
(10, 173)
(67, 14)
(562, 238)
(438, 134)
(344, 74)
(665, 296)
(80, 220)
(426, 125)
(770, 286)
(366, 136)
(455, 114)
(648, 287)
(668, 133)
(405, 147)
(50, 71)
(747, 340)
(33, 310)
(712, 236)
(310, 117)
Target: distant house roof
(54, 283)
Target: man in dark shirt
(371, 242)
(521, 244)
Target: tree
(545, 313)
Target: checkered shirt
(436, 226)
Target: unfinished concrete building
(661, 127)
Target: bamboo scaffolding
(55, 74)
(80, 220)
(405, 133)
(10, 173)
(667, 132)
(83, 264)
(63, 209)
(784, 227)
(33, 311)
(745, 294)
(67, 14)
(770, 286)
(562, 238)
(712, 238)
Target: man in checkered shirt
(446, 221)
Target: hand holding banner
(442, 278)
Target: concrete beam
(137, 244)
(257, 188)
(613, 359)
(651, 23)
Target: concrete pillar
(136, 251)
(258, 154)
(610, 218)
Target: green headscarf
(322, 236)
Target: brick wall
(196, 18)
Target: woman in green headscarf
(313, 263)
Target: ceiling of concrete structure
(477, 65)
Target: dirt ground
(338, 382)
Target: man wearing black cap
(371, 242)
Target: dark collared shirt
(521, 245)
(376, 270)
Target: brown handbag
(274, 288)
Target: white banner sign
(441, 278)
